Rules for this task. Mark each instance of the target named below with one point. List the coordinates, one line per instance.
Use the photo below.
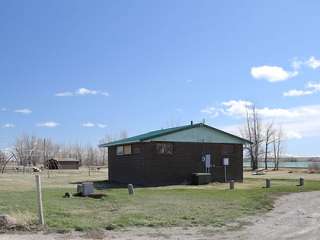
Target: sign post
(225, 164)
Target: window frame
(133, 150)
(118, 153)
(123, 150)
(126, 147)
(165, 152)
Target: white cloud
(86, 91)
(8, 125)
(297, 93)
(314, 86)
(292, 134)
(3, 109)
(272, 73)
(288, 129)
(296, 64)
(236, 107)
(49, 124)
(212, 111)
(101, 125)
(310, 89)
(82, 92)
(23, 111)
(297, 122)
(92, 125)
(281, 112)
(239, 108)
(313, 63)
(64, 94)
(88, 124)
(302, 127)
(209, 110)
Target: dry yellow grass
(56, 179)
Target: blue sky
(78, 70)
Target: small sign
(226, 161)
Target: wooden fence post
(301, 182)
(39, 198)
(130, 189)
(268, 183)
(231, 184)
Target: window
(127, 149)
(120, 150)
(123, 150)
(164, 148)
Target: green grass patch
(213, 205)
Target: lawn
(211, 204)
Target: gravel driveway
(295, 216)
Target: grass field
(211, 204)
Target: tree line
(30, 150)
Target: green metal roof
(154, 134)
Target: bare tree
(104, 155)
(32, 150)
(277, 147)
(253, 132)
(92, 156)
(19, 148)
(27, 150)
(103, 150)
(4, 160)
(79, 153)
(49, 149)
(268, 134)
(75, 151)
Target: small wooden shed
(173, 155)
(62, 163)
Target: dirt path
(295, 216)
